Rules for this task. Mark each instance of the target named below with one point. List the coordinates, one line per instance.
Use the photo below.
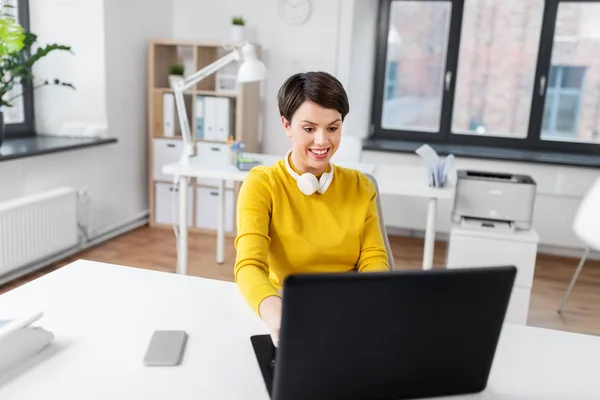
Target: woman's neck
(300, 167)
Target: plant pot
(237, 33)
(173, 79)
(2, 128)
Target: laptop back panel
(398, 335)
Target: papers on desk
(19, 341)
(438, 169)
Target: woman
(303, 215)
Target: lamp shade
(587, 219)
(252, 69)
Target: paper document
(438, 169)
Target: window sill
(493, 153)
(13, 148)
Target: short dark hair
(318, 87)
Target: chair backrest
(587, 219)
(349, 150)
(382, 223)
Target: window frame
(27, 127)
(532, 142)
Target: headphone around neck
(307, 182)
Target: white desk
(103, 316)
(391, 179)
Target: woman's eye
(308, 129)
(333, 129)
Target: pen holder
(235, 156)
(436, 179)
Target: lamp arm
(208, 70)
(180, 86)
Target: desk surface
(103, 316)
(392, 179)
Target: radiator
(37, 226)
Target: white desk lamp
(250, 70)
(586, 226)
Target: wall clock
(294, 12)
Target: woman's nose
(321, 137)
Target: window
(518, 74)
(19, 117)
(563, 101)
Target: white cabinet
(217, 154)
(166, 206)
(165, 151)
(207, 203)
(472, 247)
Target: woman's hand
(270, 313)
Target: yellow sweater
(281, 231)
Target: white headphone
(307, 182)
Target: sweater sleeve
(252, 242)
(373, 254)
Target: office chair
(382, 224)
(586, 226)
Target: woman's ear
(287, 126)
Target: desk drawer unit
(476, 248)
(166, 198)
(207, 203)
(465, 251)
(165, 151)
(217, 154)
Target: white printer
(491, 198)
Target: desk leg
(221, 224)
(183, 227)
(430, 234)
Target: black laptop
(386, 335)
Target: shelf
(167, 137)
(244, 112)
(214, 93)
(161, 90)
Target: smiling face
(315, 133)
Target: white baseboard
(108, 233)
(542, 248)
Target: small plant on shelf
(177, 69)
(237, 29)
(238, 21)
(175, 73)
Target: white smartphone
(166, 348)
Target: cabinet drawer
(165, 151)
(217, 154)
(469, 251)
(166, 198)
(207, 203)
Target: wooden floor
(154, 248)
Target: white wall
(114, 36)
(359, 62)
(128, 26)
(79, 24)
(287, 49)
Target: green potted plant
(175, 73)
(17, 57)
(237, 29)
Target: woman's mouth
(319, 153)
